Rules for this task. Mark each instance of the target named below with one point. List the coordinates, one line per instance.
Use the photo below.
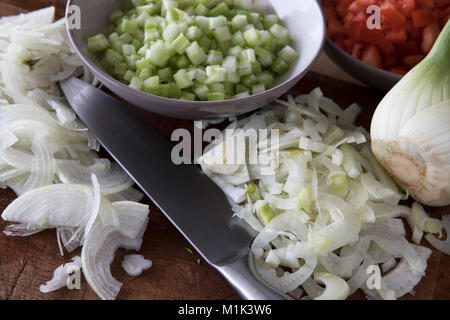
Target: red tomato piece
(429, 35)
(391, 15)
(422, 17)
(372, 56)
(396, 36)
(412, 61)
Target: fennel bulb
(411, 127)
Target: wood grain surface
(26, 263)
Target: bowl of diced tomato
(379, 41)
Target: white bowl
(303, 18)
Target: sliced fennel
(327, 210)
(49, 159)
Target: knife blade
(186, 196)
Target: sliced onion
(441, 245)
(135, 264)
(335, 287)
(102, 242)
(60, 276)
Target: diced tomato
(430, 33)
(366, 3)
(426, 3)
(422, 17)
(442, 3)
(356, 50)
(406, 6)
(396, 36)
(360, 17)
(412, 61)
(398, 71)
(409, 29)
(354, 7)
(335, 28)
(377, 38)
(372, 56)
(389, 61)
(407, 49)
(391, 15)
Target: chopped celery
(287, 54)
(220, 10)
(215, 96)
(180, 44)
(195, 49)
(158, 54)
(215, 74)
(239, 22)
(258, 88)
(98, 43)
(194, 33)
(183, 80)
(279, 66)
(195, 53)
(222, 34)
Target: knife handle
(244, 281)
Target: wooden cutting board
(26, 263)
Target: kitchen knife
(187, 197)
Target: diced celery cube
(151, 83)
(239, 22)
(220, 9)
(222, 34)
(238, 39)
(244, 68)
(230, 64)
(128, 49)
(196, 54)
(233, 77)
(217, 22)
(129, 26)
(165, 74)
(288, 54)
(264, 56)
(279, 66)
(194, 33)
(120, 69)
(200, 75)
(158, 54)
(258, 88)
(180, 44)
(98, 43)
(201, 92)
(214, 57)
(270, 20)
(248, 55)
(183, 80)
(215, 96)
(201, 10)
(188, 96)
(252, 37)
(215, 74)
(171, 32)
(249, 80)
(135, 83)
(113, 57)
(279, 32)
(152, 34)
